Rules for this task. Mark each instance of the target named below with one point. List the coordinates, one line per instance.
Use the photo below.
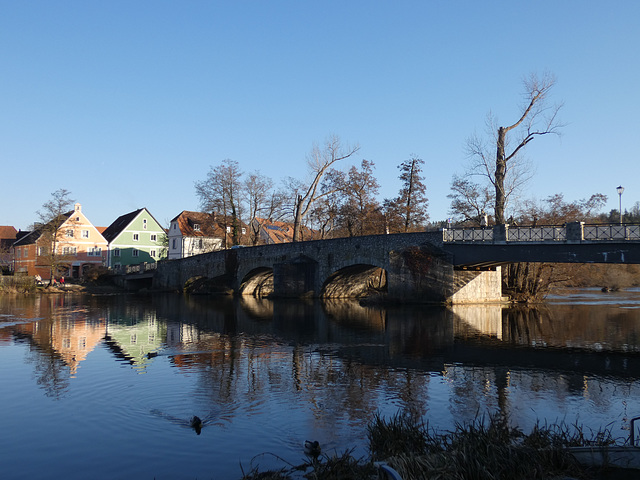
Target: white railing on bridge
(138, 268)
(575, 231)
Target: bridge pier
(296, 278)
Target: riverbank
(26, 285)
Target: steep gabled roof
(119, 225)
(33, 236)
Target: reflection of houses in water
(74, 339)
(134, 340)
(71, 335)
(181, 333)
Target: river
(105, 386)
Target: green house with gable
(135, 238)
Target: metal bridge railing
(611, 232)
(537, 234)
(573, 231)
(468, 235)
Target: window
(69, 233)
(175, 225)
(135, 252)
(174, 244)
(42, 251)
(136, 237)
(94, 252)
(85, 233)
(116, 252)
(196, 227)
(18, 252)
(244, 231)
(144, 223)
(154, 237)
(153, 253)
(200, 244)
(228, 229)
(69, 250)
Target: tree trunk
(501, 170)
(298, 219)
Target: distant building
(271, 232)
(135, 238)
(78, 247)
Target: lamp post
(620, 189)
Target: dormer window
(196, 227)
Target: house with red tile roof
(193, 233)
(74, 247)
(271, 232)
(7, 237)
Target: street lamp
(620, 189)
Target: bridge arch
(355, 281)
(257, 282)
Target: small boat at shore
(608, 456)
(611, 456)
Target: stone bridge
(447, 266)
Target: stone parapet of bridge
(401, 267)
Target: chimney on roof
(78, 207)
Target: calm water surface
(104, 387)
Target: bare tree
(319, 162)
(222, 192)
(52, 215)
(505, 169)
(264, 203)
(361, 209)
(469, 200)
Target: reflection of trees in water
(245, 370)
(49, 371)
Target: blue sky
(128, 103)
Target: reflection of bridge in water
(429, 338)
